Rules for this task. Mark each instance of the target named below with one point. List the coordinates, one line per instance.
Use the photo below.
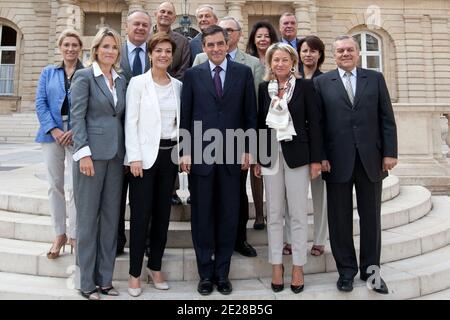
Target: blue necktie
(217, 81)
(137, 64)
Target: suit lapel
(361, 83)
(207, 79)
(126, 65)
(230, 76)
(294, 97)
(120, 87)
(339, 86)
(104, 88)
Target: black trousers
(215, 211)
(241, 235)
(150, 199)
(121, 237)
(340, 221)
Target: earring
(292, 70)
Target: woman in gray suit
(98, 105)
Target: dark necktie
(217, 81)
(137, 64)
(229, 57)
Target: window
(370, 51)
(8, 38)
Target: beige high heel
(158, 285)
(55, 254)
(72, 242)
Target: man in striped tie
(360, 146)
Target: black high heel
(298, 289)
(278, 287)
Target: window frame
(8, 48)
(363, 54)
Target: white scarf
(278, 117)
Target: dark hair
(159, 38)
(251, 47)
(314, 43)
(213, 30)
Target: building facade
(407, 40)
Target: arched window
(370, 54)
(8, 39)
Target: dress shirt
(132, 54)
(293, 42)
(223, 65)
(233, 54)
(352, 78)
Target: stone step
(31, 196)
(402, 283)
(412, 203)
(441, 295)
(417, 238)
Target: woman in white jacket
(151, 132)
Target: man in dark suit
(360, 144)
(218, 95)
(205, 17)
(134, 61)
(288, 30)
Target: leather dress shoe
(277, 287)
(345, 285)
(175, 200)
(382, 288)
(224, 286)
(205, 286)
(246, 249)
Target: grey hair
(206, 6)
(345, 37)
(287, 14)
(140, 11)
(227, 18)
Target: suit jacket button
(114, 115)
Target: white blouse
(168, 107)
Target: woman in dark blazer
(291, 154)
(98, 106)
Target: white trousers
(319, 198)
(287, 186)
(54, 157)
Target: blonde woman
(288, 109)
(98, 105)
(55, 136)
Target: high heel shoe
(72, 242)
(55, 254)
(278, 287)
(158, 285)
(134, 292)
(297, 289)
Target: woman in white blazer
(151, 133)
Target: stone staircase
(415, 252)
(18, 127)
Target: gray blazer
(243, 58)
(125, 63)
(96, 122)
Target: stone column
(234, 8)
(303, 17)
(134, 5)
(313, 16)
(68, 16)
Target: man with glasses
(234, 31)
